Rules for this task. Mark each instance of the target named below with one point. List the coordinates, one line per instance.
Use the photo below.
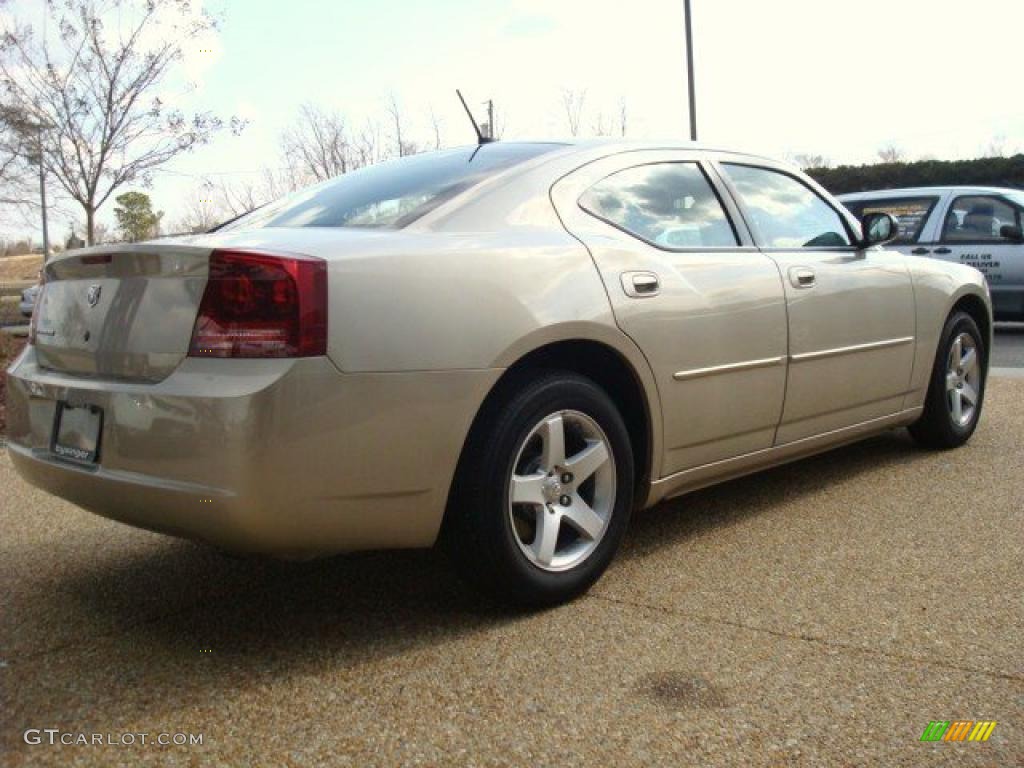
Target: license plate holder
(76, 433)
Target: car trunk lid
(121, 312)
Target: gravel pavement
(818, 614)
(1008, 350)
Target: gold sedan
(506, 348)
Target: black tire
(936, 428)
(479, 530)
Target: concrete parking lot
(1008, 350)
(819, 614)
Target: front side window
(787, 213)
(391, 194)
(911, 212)
(671, 205)
(978, 219)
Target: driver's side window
(978, 219)
(787, 213)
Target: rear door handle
(640, 285)
(802, 277)
(920, 251)
(943, 251)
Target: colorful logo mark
(958, 730)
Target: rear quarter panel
(430, 301)
(439, 302)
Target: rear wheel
(543, 492)
(957, 387)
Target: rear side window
(911, 212)
(671, 205)
(391, 194)
(978, 219)
(787, 213)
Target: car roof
(881, 194)
(623, 144)
(612, 145)
(525, 187)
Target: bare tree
(402, 147)
(622, 116)
(233, 198)
(103, 234)
(573, 103)
(18, 153)
(369, 146)
(318, 144)
(201, 210)
(996, 147)
(812, 162)
(96, 92)
(891, 154)
(435, 123)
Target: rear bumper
(287, 457)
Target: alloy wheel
(963, 379)
(562, 490)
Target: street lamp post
(42, 198)
(689, 70)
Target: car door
(851, 310)
(689, 287)
(970, 233)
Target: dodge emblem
(93, 296)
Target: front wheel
(543, 492)
(957, 387)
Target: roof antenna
(480, 138)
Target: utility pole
(490, 118)
(689, 70)
(42, 196)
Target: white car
(982, 227)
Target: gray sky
(841, 79)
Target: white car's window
(391, 194)
(978, 219)
(1017, 198)
(787, 213)
(671, 205)
(911, 212)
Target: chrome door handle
(640, 285)
(920, 251)
(943, 251)
(802, 277)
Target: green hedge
(986, 171)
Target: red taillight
(262, 305)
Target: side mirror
(1011, 233)
(879, 228)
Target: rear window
(911, 212)
(671, 205)
(391, 194)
